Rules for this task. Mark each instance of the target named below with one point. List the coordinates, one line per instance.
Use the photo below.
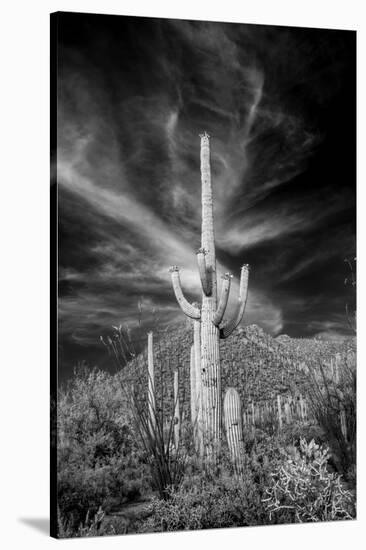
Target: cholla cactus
(209, 317)
(234, 426)
(303, 489)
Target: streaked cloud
(131, 107)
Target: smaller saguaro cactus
(288, 415)
(305, 409)
(253, 415)
(302, 407)
(176, 410)
(151, 383)
(234, 426)
(279, 412)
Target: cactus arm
(224, 296)
(187, 308)
(229, 328)
(205, 274)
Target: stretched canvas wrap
(203, 203)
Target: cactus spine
(234, 426)
(210, 315)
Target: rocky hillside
(258, 366)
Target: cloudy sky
(133, 96)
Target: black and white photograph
(203, 229)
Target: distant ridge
(259, 366)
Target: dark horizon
(279, 103)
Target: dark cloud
(133, 96)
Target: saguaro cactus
(196, 392)
(234, 426)
(287, 412)
(195, 378)
(279, 412)
(194, 398)
(209, 317)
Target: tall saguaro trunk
(197, 420)
(208, 319)
(210, 334)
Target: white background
(24, 234)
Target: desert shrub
(332, 401)
(291, 434)
(302, 488)
(99, 461)
(93, 526)
(262, 453)
(224, 502)
(83, 489)
(278, 485)
(212, 495)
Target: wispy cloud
(131, 106)
(122, 269)
(270, 223)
